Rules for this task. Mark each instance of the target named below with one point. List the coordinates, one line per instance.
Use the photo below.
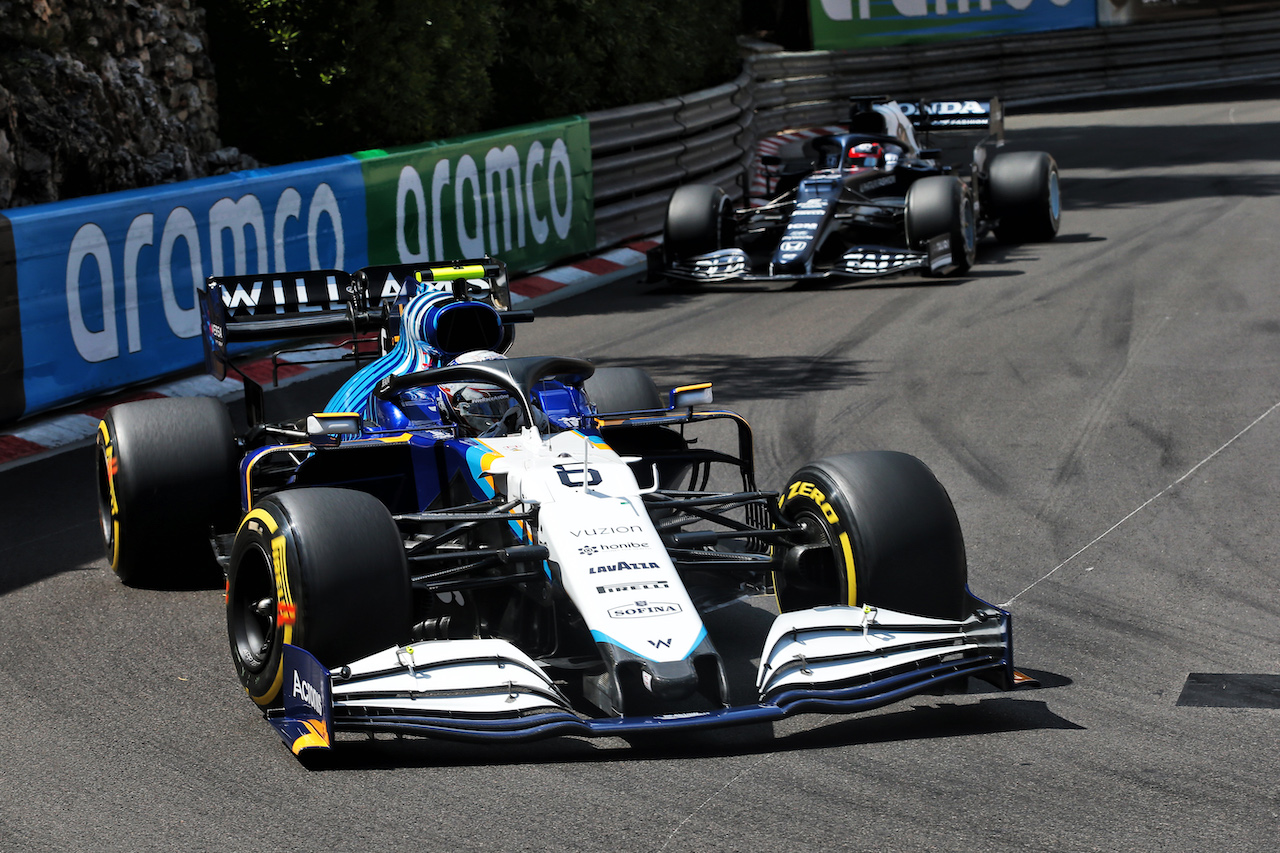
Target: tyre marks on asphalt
(806, 431)
(1191, 471)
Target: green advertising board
(852, 24)
(522, 194)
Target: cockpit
(852, 151)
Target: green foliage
(560, 57)
(300, 79)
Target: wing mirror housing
(688, 396)
(328, 429)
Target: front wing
(827, 660)
(860, 262)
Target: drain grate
(1230, 690)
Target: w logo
(589, 477)
(660, 644)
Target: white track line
(1148, 501)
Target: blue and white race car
(867, 202)
(469, 545)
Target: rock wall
(104, 95)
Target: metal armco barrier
(641, 153)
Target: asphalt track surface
(1105, 412)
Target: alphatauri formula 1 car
(473, 546)
(865, 203)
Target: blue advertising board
(104, 287)
(850, 24)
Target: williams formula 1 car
(474, 546)
(868, 202)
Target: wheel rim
(106, 519)
(819, 583)
(968, 231)
(252, 605)
(1055, 200)
(722, 222)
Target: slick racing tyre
(697, 216)
(166, 474)
(622, 389)
(1024, 197)
(940, 205)
(319, 568)
(879, 529)
(630, 389)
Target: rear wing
(245, 308)
(956, 115)
(324, 303)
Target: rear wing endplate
(240, 308)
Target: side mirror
(328, 429)
(771, 160)
(688, 396)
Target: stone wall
(105, 95)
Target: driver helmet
(866, 154)
(480, 408)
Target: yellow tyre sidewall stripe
(849, 568)
(809, 491)
(108, 452)
(280, 568)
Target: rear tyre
(630, 389)
(622, 389)
(319, 568)
(166, 474)
(1025, 199)
(697, 215)
(879, 529)
(939, 205)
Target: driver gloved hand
(511, 421)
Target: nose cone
(669, 682)
(794, 255)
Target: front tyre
(879, 529)
(1024, 196)
(319, 568)
(631, 389)
(696, 222)
(622, 389)
(941, 205)
(166, 474)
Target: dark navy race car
(867, 202)
(467, 544)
